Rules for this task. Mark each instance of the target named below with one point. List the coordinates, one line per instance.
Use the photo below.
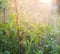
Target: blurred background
(29, 26)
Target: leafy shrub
(36, 40)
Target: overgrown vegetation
(36, 39)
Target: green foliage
(39, 40)
(1, 1)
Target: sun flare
(45, 1)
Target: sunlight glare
(13, 5)
(45, 1)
